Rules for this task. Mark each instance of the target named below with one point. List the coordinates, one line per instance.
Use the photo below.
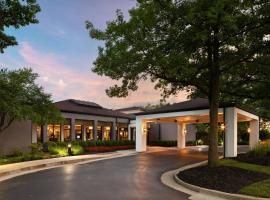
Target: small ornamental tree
(22, 99)
(15, 13)
(214, 47)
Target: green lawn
(262, 188)
(246, 166)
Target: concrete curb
(39, 167)
(210, 192)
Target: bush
(16, 152)
(36, 148)
(77, 150)
(264, 134)
(163, 143)
(260, 150)
(48, 145)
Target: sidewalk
(15, 169)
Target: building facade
(84, 121)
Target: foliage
(151, 106)
(61, 150)
(213, 48)
(16, 13)
(107, 143)
(264, 134)
(260, 150)
(242, 132)
(22, 99)
(202, 132)
(163, 143)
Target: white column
(181, 136)
(230, 132)
(254, 133)
(44, 133)
(140, 135)
(129, 133)
(84, 132)
(62, 133)
(72, 126)
(114, 125)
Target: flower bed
(99, 149)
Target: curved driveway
(132, 177)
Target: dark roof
(90, 108)
(85, 103)
(194, 104)
(131, 108)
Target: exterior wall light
(185, 131)
(248, 130)
(222, 127)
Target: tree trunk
(213, 133)
(213, 102)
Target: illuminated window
(107, 133)
(99, 132)
(122, 131)
(78, 132)
(53, 132)
(89, 133)
(67, 133)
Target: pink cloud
(64, 82)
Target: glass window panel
(78, 132)
(89, 133)
(67, 133)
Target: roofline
(227, 105)
(130, 108)
(75, 112)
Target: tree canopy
(214, 47)
(22, 99)
(15, 13)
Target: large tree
(212, 46)
(15, 13)
(22, 99)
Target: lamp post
(69, 149)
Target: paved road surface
(126, 178)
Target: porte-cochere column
(230, 132)
(141, 135)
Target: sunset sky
(60, 50)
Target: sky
(60, 50)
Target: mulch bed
(258, 160)
(223, 178)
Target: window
(89, 133)
(99, 132)
(54, 132)
(67, 133)
(122, 131)
(78, 132)
(107, 133)
(123, 134)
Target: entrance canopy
(197, 111)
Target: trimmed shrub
(36, 148)
(163, 143)
(77, 150)
(47, 145)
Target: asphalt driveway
(132, 177)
